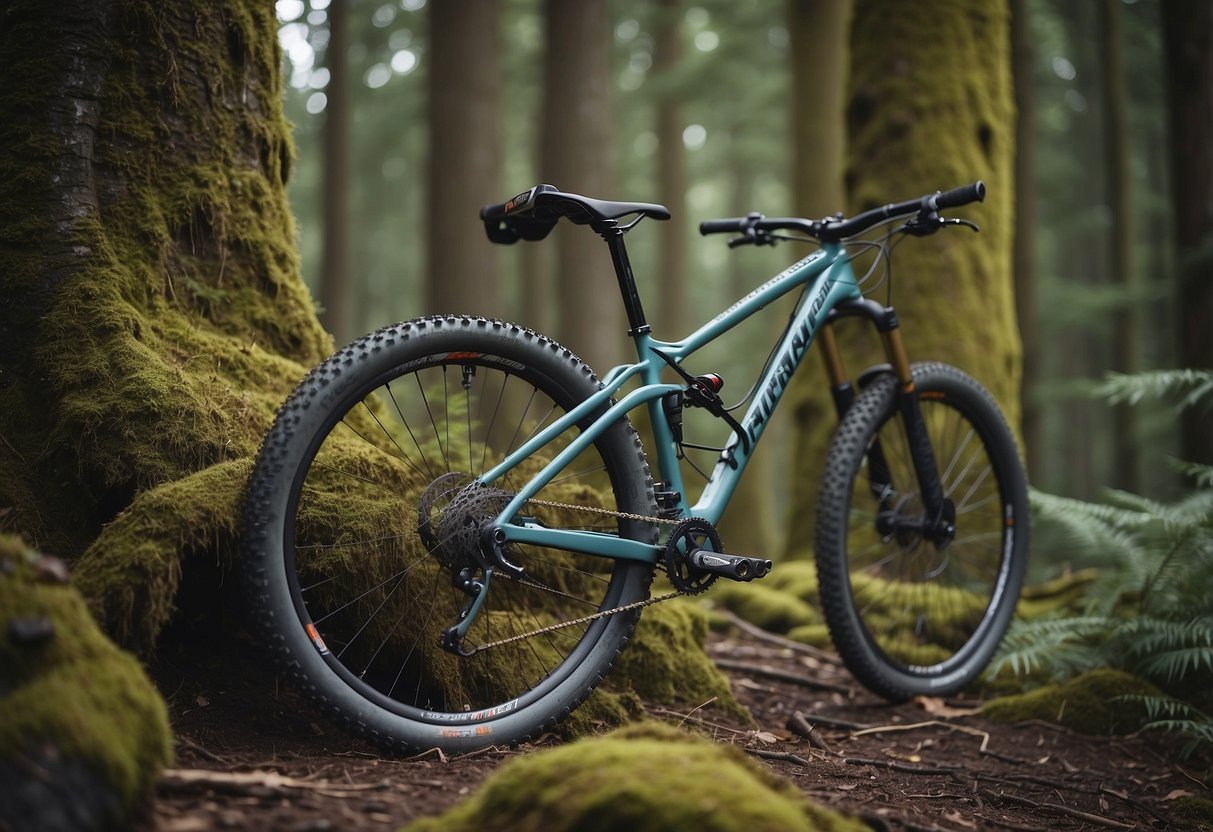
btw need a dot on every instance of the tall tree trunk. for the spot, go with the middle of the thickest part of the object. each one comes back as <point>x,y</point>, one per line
<point>1125,342</point>
<point>1024,256</point>
<point>1188,40</point>
<point>465,167</point>
<point>577,157</point>
<point>930,107</point>
<point>671,169</point>
<point>154,315</point>
<point>335,283</point>
<point>819,32</point>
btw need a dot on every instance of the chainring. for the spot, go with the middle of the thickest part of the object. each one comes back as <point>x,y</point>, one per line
<point>687,535</point>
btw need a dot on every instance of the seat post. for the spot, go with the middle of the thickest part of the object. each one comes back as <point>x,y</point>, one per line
<point>627,282</point>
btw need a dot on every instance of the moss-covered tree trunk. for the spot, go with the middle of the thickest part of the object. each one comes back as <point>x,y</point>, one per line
<point>931,107</point>
<point>153,311</point>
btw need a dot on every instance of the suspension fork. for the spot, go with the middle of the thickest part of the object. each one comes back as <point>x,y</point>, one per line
<point>843,393</point>
<point>939,520</point>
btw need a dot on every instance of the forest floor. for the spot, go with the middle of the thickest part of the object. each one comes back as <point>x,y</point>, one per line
<point>248,759</point>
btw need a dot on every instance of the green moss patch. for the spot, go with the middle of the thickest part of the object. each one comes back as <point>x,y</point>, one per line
<point>649,778</point>
<point>65,685</point>
<point>1193,813</point>
<point>1093,703</point>
<point>666,662</point>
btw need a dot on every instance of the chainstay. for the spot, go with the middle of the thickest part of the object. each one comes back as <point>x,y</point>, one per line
<point>593,616</point>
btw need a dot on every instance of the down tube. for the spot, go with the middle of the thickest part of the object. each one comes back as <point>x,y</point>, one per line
<point>837,283</point>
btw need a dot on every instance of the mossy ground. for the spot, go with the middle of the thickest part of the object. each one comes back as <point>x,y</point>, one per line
<point>63,684</point>
<point>645,778</point>
<point>1097,702</point>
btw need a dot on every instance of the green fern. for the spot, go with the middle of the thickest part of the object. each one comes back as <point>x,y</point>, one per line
<point>1188,388</point>
<point>1151,611</point>
<point>1176,717</point>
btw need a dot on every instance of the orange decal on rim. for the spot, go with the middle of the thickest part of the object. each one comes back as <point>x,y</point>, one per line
<point>314,635</point>
<point>459,356</point>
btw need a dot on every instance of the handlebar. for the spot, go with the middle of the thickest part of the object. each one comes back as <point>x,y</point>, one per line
<point>834,229</point>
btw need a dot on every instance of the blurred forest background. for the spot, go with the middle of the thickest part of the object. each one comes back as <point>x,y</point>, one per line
<point>400,142</point>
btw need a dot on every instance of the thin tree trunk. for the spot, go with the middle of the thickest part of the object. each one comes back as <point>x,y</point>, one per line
<point>1024,256</point>
<point>820,57</point>
<point>1188,39</point>
<point>465,167</point>
<point>335,283</point>
<point>671,170</point>
<point>1125,346</point>
<point>577,157</point>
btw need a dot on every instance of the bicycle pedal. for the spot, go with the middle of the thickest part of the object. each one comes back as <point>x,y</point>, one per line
<point>734,567</point>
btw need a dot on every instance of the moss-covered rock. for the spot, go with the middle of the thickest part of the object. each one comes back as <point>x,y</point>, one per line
<point>74,707</point>
<point>1097,702</point>
<point>666,661</point>
<point>648,778</point>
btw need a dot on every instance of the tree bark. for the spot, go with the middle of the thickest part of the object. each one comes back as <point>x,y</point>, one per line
<point>819,32</point>
<point>1024,256</point>
<point>154,315</point>
<point>1125,342</point>
<point>577,157</point>
<point>335,283</point>
<point>671,169</point>
<point>465,169</point>
<point>1188,40</point>
<point>931,107</point>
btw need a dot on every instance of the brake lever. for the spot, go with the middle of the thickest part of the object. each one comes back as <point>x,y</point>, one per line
<point>922,226</point>
<point>753,237</point>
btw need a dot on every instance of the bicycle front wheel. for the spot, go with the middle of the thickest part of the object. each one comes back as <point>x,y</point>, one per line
<point>363,509</point>
<point>912,616</point>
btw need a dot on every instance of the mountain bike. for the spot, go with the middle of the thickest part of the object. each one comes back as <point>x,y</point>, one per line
<point>452,526</point>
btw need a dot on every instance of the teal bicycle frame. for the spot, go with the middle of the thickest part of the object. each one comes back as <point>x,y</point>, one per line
<point>829,279</point>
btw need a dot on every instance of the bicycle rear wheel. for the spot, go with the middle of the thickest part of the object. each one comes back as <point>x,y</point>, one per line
<point>910,616</point>
<point>359,516</point>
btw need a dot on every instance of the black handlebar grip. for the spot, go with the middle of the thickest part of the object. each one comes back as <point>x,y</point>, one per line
<point>493,212</point>
<point>721,226</point>
<point>961,196</point>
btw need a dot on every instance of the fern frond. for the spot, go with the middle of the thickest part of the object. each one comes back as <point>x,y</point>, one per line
<point>1057,646</point>
<point>1188,388</point>
<point>1201,475</point>
<point>1174,716</point>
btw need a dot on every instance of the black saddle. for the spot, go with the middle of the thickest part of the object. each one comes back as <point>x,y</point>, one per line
<point>533,214</point>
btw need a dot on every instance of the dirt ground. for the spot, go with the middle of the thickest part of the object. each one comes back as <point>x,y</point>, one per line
<point>252,758</point>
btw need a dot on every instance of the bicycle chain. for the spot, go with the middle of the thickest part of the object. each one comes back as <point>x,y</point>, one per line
<point>593,616</point>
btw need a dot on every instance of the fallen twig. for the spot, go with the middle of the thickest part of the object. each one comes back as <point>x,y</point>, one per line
<point>886,729</point>
<point>781,675</point>
<point>782,641</point>
<point>777,755</point>
<point>1099,820</point>
<point>802,727</point>
<point>254,782</point>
